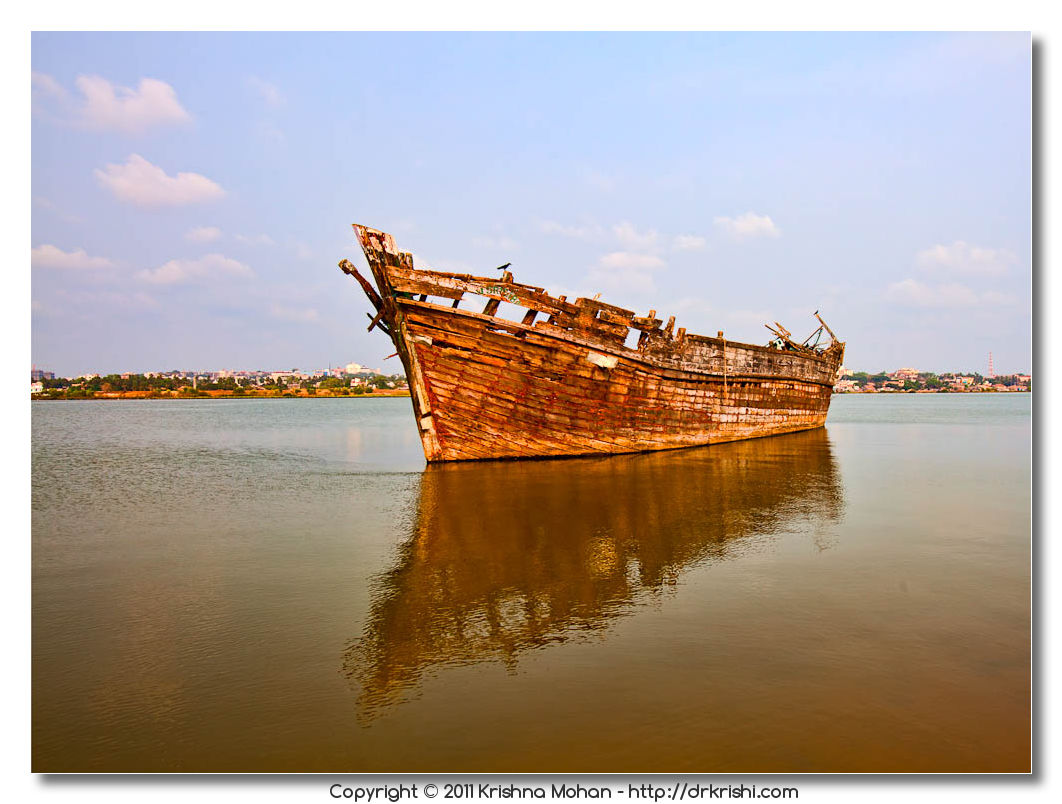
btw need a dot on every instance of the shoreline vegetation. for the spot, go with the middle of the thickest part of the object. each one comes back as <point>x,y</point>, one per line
<point>299,393</point>
<point>257,385</point>
<point>1009,390</point>
<point>913,381</point>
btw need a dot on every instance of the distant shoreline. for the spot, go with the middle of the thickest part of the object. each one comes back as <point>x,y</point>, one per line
<point>300,394</point>
<point>400,394</point>
<point>893,392</point>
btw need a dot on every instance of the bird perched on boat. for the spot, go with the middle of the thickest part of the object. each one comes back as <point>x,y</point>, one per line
<point>503,267</point>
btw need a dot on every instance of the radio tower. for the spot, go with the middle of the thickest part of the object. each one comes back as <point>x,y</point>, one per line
<point>991,373</point>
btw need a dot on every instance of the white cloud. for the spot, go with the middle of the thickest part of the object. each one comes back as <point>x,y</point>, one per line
<point>919,294</point>
<point>44,203</point>
<point>176,271</point>
<point>299,315</point>
<point>256,240</point>
<point>588,232</point>
<point>748,225</point>
<point>126,302</point>
<point>48,256</point>
<point>133,111</point>
<point>962,258</point>
<point>688,243</point>
<point>622,281</point>
<point>690,304</point>
<point>701,316</point>
<point>631,238</point>
<point>303,251</point>
<point>627,259</point>
<point>625,272</point>
<point>500,242</point>
<point>140,182</point>
<point>46,85</point>
<point>203,234</point>
<point>447,266</point>
<point>107,107</point>
<point>266,91</point>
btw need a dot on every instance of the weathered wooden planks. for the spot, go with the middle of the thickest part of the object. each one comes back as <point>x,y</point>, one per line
<point>486,387</point>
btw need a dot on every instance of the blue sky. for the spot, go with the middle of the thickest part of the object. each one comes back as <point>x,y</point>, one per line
<point>192,193</point>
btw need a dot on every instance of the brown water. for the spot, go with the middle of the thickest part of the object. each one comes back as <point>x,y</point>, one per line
<point>280,585</point>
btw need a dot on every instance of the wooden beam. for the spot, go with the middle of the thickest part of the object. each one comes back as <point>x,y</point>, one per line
<point>825,325</point>
<point>348,268</point>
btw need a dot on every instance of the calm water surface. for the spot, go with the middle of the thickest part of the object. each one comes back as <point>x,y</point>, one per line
<point>281,585</point>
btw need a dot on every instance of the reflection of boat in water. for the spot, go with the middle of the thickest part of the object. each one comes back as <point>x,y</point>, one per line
<point>507,557</point>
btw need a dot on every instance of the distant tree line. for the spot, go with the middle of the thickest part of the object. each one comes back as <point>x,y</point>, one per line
<point>88,387</point>
<point>927,380</point>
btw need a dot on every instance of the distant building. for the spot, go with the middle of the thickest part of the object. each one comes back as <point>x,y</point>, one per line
<point>37,375</point>
<point>905,374</point>
<point>353,368</point>
<point>37,387</point>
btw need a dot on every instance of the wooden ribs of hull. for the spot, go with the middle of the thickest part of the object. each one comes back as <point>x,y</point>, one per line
<point>494,394</point>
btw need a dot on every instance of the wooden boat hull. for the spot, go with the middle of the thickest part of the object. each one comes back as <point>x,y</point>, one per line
<point>485,387</point>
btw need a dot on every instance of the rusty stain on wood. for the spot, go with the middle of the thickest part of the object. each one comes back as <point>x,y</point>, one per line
<point>485,387</point>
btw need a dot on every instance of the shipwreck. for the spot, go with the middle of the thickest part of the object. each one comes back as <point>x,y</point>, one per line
<point>570,378</point>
